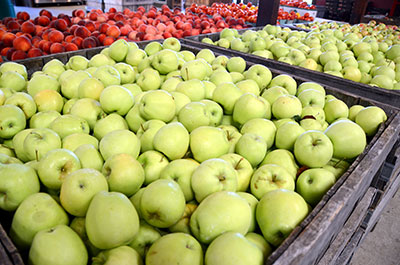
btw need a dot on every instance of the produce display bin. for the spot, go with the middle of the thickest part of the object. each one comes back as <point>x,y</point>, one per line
<point>390,97</point>
<point>308,242</point>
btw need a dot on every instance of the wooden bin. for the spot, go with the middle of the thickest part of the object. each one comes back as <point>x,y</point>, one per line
<point>390,97</point>
<point>308,241</point>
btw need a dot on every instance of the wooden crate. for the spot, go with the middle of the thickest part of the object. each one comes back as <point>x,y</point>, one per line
<point>390,97</point>
<point>310,239</point>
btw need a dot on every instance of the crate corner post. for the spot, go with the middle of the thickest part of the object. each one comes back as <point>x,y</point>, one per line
<point>267,12</point>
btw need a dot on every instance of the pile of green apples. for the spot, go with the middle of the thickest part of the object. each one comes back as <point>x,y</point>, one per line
<point>162,156</point>
<point>343,52</point>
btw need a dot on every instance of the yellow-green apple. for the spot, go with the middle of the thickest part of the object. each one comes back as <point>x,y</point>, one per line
<point>214,111</point>
<point>104,229</point>
<point>42,82</point>
<point>13,80</point>
<point>117,99</point>
<point>327,56</point>
<point>211,176</point>
<point>310,85</point>
<point>78,189</point>
<point>149,79</point>
<point>108,75</point>
<point>194,115</point>
<point>157,104</point>
<point>48,247</point>
<point>187,55</point>
<point>68,105</point>
<point>220,97</point>
<point>144,238</point>
<point>249,106</point>
<point>89,156</point>
<point>286,135</point>
<point>260,242</point>
<point>162,203</point>
<point>248,86</point>
<point>206,54</point>
<point>89,110</point>
<point>196,69</point>
<point>233,248</point>
<point>220,212</point>
<point>252,147</point>
<point>348,139</point>
<point>18,144</point>
<point>208,142</point>
<point>47,100</point>
<point>14,67</point>
<point>252,201</point>
<point>193,88</point>
<point>286,106</point>
<point>335,109</point>
<point>278,213</point>
<point>270,177</point>
<point>283,158</point>
<point>314,113</point>
<point>233,136</point>
<point>220,76</point>
<point>12,121</point>
<point>68,124</point>
<point>313,183</point>
<point>16,183</point>
<point>123,173</point>
<point>259,73</point>
<point>334,66</point>
<point>118,142</point>
<point>111,122</point>
<point>242,167</point>
<point>262,127</point>
<point>312,97</point>
<point>69,86</point>
<point>236,64</point>
<point>285,81</point>
<point>172,44</point>
<point>90,88</point>
<point>353,111</point>
<point>180,171</point>
<point>183,225</point>
<point>24,101</point>
<point>146,134</point>
<point>99,60</point>
<point>54,67</point>
<point>271,94</point>
<point>164,250</point>
<point>313,149</point>
<point>135,56</point>
<point>118,50</point>
<point>382,81</point>
<point>121,255</point>
<point>26,224</point>
<point>55,165</point>
<point>39,141</point>
<point>352,73</point>
<point>370,118</point>
<point>171,83</point>
<point>337,166</point>
<point>153,47</point>
<point>172,140</point>
<point>78,62</point>
<point>165,61</point>
<point>153,163</point>
<point>73,141</point>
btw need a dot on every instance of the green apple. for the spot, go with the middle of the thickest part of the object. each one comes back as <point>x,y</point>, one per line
<point>273,93</point>
<point>123,173</point>
<point>206,54</point>
<point>183,225</point>
<point>285,81</point>
<point>78,62</point>
<point>153,47</point>
<point>194,115</point>
<point>214,111</point>
<point>162,203</point>
<point>337,167</point>
<point>172,44</point>
<point>25,223</point>
<point>353,111</point>
<point>135,56</point>
<point>89,156</point>
<point>118,50</point>
<point>335,109</point>
<point>42,82</point>
<point>146,134</point>
<point>311,97</point>
<point>24,101</point>
<point>286,106</point>
<point>211,176</point>
<point>104,229</point>
<point>171,83</point>
<point>39,141</point>
<point>117,99</point>
<point>108,75</point>
<point>14,67</point>
<point>242,167</point>
<point>78,189</point>
<point>153,163</point>
<point>278,213</point>
<point>233,136</point>
<point>13,80</point>
<point>260,242</point>
<point>12,121</point>
<point>181,170</point>
<point>123,255</point>
<point>327,56</point>
<point>313,113</point>
<point>172,140</point>
<point>157,104</point>
<point>68,105</point>
<point>69,86</point>
<point>236,64</point>
<point>310,85</point>
<point>111,122</point>
<point>165,249</point>
<point>208,142</point>
<point>370,118</point>
<point>118,142</point>
<point>283,158</point>
<point>382,81</point>
<point>99,60</point>
<point>55,165</point>
<point>18,144</point>
<point>352,73</point>
<point>144,238</point>
<point>220,97</point>
<point>196,69</point>
<point>248,86</point>
<point>249,106</point>
<point>48,247</point>
<point>348,139</point>
<point>215,214</point>
<point>126,73</point>
<point>68,124</point>
<point>313,183</point>
<point>89,110</point>
<point>47,100</point>
<point>16,183</point>
<point>220,76</point>
<point>286,135</point>
<point>165,61</point>
<point>233,248</point>
<point>252,147</point>
<point>313,149</point>
<point>259,73</point>
<point>193,88</point>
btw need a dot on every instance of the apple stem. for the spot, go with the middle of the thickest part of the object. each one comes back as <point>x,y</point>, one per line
<point>237,164</point>
<point>37,154</point>
<point>187,73</point>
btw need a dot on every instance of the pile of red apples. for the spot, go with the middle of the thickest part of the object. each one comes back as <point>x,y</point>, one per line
<point>24,37</point>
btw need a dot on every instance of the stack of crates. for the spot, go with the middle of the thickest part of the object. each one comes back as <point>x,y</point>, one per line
<point>338,9</point>
<point>120,5</point>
